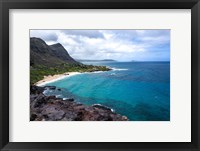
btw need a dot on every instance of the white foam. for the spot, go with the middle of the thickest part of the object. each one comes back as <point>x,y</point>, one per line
<point>97,72</point>
<point>65,99</point>
<point>97,104</point>
<point>58,96</point>
<point>119,69</point>
<point>45,92</point>
<point>112,110</point>
<point>105,106</point>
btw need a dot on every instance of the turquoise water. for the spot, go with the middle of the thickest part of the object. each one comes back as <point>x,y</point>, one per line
<point>138,90</point>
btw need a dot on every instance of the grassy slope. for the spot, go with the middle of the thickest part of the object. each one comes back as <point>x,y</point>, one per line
<point>37,73</point>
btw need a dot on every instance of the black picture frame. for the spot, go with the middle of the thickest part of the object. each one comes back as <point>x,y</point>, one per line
<point>5,5</point>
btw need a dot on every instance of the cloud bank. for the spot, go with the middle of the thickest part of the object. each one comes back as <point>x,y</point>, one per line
<point>120,45</point>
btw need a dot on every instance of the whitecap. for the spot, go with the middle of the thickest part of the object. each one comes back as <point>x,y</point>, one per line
<point>45,92</point>
<point>119,69</point>
<point>112,110</point>
<point>59,96</point>
<point>97,71</point>
<point>98,104</point>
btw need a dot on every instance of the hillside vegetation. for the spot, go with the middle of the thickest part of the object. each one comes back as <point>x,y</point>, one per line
<point>54,59</point>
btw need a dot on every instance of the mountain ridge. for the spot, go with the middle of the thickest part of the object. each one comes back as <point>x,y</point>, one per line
<point>48,55</point>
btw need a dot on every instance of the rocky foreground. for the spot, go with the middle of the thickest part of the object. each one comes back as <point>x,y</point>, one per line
<point>50,108</point>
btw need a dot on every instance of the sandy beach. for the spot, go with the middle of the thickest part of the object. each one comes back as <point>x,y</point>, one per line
<point>49,78</point>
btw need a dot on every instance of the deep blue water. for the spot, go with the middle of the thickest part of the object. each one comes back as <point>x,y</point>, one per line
<point>139,90</point>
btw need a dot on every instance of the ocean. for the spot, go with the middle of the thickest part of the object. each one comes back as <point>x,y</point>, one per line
<point>138,90</point>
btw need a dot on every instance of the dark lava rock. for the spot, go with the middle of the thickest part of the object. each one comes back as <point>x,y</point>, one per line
<point>36,90</point>
<point>79,116</point>
<point>52,97</point>
<point>39,101</point>
<point>52,113</point>
<point>71,100</point>
<point>33,97</point>
<point>59,89</point>
<point>33,117</point>
<point>50,108</point>
<point>51,87</point>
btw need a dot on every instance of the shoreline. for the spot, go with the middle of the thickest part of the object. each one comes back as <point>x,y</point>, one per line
<point>56,77</point>
<point>50,108</point>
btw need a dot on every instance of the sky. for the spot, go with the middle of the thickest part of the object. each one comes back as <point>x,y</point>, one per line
<point>119,45</point>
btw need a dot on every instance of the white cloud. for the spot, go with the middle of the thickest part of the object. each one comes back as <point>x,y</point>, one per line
<point>122,45</point>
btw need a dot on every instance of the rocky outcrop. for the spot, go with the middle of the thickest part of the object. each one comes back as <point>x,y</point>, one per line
<point>50,108</point>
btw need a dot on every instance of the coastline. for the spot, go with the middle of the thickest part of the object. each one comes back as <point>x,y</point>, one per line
<point>56,77</point>
<point>50,108</point>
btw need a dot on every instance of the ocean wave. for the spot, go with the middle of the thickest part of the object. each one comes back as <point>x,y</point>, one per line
<point>103,106</point>
<point>59,96</point>
<point>119,69</point>
<point>45,92</point>
<point>97,71</point>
